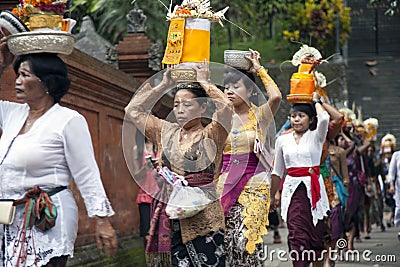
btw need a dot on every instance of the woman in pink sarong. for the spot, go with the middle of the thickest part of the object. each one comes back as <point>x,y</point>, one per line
<point>244,181</point>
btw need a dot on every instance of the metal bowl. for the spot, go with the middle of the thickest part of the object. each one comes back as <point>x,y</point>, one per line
<point>235,59</point>
<point>57,42</point>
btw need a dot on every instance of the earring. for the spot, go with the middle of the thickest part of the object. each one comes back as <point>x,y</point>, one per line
<point>46,91</point>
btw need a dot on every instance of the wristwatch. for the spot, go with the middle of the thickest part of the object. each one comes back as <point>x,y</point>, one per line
<point>317,101</point>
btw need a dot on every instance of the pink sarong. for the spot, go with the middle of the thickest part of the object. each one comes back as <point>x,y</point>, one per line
<point>241,168</point>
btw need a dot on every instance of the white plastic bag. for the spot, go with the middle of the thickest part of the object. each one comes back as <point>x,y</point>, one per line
<point>186,201</point>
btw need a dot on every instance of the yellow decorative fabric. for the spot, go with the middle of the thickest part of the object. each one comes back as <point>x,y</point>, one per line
<point>256,202</point>
<point>253,121</point>
<point>219,183</point>
<point>242,141</point>
<point>263,112</point>
<point>174,49</point>
<point>267,80</point>
<point>44,21</point>
<point>255,197</point>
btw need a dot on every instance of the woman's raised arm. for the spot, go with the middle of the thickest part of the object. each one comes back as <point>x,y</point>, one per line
<point>143,101</point>
<point>6,58</point>
<point>274,94</point>
<point>221,124</point>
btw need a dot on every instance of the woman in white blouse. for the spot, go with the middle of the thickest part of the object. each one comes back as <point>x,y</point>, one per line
<point>44,144</point>
<point>394,174</point>
<point>304,202</point>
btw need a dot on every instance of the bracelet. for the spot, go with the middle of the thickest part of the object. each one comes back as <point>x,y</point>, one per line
<point>259,69</point>
<point>317,101</point>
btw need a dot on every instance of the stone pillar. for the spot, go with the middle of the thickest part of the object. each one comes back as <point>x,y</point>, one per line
<point>93,44</point>
<point>137,54</point>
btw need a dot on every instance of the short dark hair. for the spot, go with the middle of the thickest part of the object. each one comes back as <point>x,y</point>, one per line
<point>309,110</point>
<point>196,89</point>
<point>50,69</point>
<point>201,97</point>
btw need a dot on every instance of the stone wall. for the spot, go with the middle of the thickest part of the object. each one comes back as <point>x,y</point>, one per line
<point>100,93</point>
<point>373,63</point>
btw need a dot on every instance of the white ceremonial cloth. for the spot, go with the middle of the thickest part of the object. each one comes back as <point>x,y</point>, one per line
<point>57,148</point>
<point>394,175</point>
<point>307,153</point>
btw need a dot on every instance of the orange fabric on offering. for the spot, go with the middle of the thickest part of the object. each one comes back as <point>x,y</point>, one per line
<point>302,84</point>
<point>196,47</point>
<point>305,68</point>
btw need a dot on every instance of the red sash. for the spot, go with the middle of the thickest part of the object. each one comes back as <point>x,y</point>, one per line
<point>313,172</point>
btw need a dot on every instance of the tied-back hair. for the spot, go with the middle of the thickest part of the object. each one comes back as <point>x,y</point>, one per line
<point>248,81</point>
<point>50,69</point>
<point>201,97</point>
<point>309,110</point>
<point>196,89</point>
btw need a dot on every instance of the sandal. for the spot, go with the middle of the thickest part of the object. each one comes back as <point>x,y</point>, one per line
<point>277,239</point>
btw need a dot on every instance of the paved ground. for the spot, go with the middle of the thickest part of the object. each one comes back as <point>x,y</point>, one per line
<point>383,249</point>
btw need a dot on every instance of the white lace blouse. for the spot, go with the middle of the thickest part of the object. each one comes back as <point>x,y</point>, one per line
<point>57,148</point>
<point>307,153</point>
<point>394,174</point>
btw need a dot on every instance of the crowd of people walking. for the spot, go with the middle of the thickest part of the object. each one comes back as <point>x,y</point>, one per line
<point>327,182</point>
<point>213,177</point>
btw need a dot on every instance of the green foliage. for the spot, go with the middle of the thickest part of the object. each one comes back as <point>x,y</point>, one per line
<point>273,51</point>
<point>254,16</point>
<point>314,23</point>
<point>110,16</point>
<point>250,24</point>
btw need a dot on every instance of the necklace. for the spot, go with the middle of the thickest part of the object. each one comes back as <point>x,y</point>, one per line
<point>186,135</point>
<point>30,121</point>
